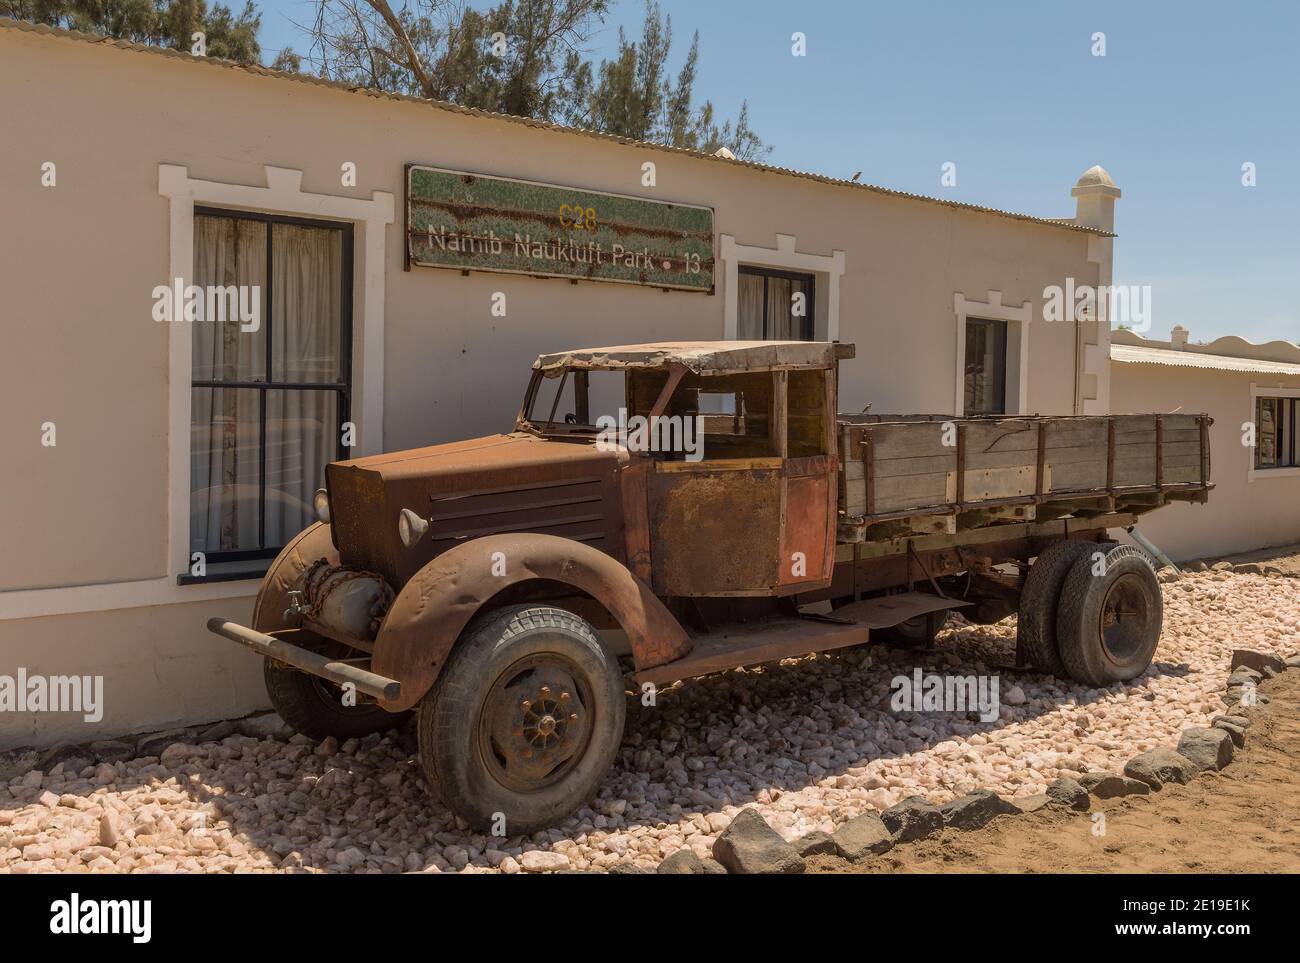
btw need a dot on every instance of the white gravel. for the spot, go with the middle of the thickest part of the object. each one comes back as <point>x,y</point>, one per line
<point>811,744</point>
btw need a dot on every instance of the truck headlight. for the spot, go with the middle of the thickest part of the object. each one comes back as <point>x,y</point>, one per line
<point>411,527</point>
<point>321,503</point>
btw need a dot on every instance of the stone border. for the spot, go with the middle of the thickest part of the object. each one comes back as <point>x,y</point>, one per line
<point>750,846</point>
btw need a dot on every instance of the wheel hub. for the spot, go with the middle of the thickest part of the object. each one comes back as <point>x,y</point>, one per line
<point>534,726</point>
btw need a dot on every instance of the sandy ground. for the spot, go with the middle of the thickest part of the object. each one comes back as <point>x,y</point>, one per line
<point>1240,820</point>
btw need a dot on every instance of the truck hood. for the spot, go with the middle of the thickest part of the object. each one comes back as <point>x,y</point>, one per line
<point>467,489</point>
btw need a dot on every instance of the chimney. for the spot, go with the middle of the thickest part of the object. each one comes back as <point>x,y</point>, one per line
<point>1178,337</point>
<point>1095,195</point>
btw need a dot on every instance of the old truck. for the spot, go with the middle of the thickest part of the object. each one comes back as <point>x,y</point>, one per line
<point>664,511</point>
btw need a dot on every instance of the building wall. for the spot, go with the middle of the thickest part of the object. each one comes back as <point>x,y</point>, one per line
<point>1242,513</point>
<point>84,353</point>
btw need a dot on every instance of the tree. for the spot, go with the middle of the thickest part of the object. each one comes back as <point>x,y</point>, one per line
<point>159,23</point>
<point>524,57</point>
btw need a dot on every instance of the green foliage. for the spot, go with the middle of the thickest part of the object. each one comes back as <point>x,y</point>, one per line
<point>161,23</point>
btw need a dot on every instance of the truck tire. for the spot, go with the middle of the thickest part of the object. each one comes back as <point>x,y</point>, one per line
<point>1036,620</point>
<point>524,721</point>
<point>314,707</point>
<point>917,632</point>
<point>1108,625</point>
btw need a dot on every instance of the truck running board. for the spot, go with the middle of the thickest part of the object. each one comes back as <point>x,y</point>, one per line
<point>753,643</point>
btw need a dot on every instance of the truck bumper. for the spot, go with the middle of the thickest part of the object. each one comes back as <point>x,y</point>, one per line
<point>341,673</point>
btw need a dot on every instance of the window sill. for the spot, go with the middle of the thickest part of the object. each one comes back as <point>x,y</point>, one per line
<point>1289,471</point>
<point>228,572</point>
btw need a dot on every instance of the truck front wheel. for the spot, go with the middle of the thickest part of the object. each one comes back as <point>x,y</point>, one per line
<point>1110,615</point>
<point>525,719</point>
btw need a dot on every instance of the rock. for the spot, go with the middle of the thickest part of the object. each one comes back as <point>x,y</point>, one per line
<point>681,863</point>
<point>1256,660</point>
<point>814,844</point>
<point>48,800</point>
<point>1069,794</point>
<point>1244,675</point>
<point>1241,722</point>
<point>713,868</point>
<point>750,845</point>
<point>1167,574</point>
<point>1030,804</point>
<point>543,861</point>
<point>1236,733</point>
<point>217,731</point>
<point>913,818</point>
<point>629,869</point>
<point>108,831</point>
<point>1159,766</point>
<point>267,725</point>
<point>1016,696</point>
<point>177,754</point>
<point>976,810</point>
<point>1249,568</point>
<point>1221,567</point>
<point>1197,566</point>
<point>862,836</point>
<point>509,866</point>
<point>1107,785</point>
<point>112,750</point>
<point>1292,662</point>
<point>1206,748</point>
<point>153,743</point>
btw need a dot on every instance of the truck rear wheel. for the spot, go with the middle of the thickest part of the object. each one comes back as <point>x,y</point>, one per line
<point>1036,621</point>
<point>1108,624</point>
<point>525,719</point>
<point>315,707</point>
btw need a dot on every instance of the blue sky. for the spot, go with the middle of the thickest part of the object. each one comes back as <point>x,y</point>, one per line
<point>1011,93</point>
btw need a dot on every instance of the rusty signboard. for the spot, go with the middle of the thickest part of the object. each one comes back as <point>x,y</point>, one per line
<point>456,219</point>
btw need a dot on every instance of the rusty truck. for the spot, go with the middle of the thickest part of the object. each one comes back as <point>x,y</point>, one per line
<point>661,512</point>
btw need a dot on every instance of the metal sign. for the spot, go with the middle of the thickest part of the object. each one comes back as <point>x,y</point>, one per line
<point>455,219</point>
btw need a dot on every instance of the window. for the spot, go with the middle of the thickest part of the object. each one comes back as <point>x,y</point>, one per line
<point>271,378</point>
<point>986,367</point>
<point>774,305</point>
<point>1275,432</point>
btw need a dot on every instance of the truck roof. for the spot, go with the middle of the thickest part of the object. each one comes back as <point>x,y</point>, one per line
<point>702,357</point>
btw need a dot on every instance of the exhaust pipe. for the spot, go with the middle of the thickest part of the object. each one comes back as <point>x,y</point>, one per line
<point>1150,549</point>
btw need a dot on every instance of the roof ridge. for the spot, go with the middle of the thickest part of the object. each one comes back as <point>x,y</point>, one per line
<point>98,39</point>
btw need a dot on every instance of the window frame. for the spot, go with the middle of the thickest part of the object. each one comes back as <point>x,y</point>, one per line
<point>242,563</point>
<point>1288,445</point>
<point>1003,329</point>
<point>809,320</point>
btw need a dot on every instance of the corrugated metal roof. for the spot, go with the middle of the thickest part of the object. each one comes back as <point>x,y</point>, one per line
<point>40,28</point>
<point>1131,354</point>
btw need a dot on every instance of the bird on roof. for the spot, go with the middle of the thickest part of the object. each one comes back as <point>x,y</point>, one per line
<point>855,177</point>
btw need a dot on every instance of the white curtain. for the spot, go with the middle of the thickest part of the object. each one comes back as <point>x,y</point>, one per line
<point>224,482</point>
<point>302,434</point>
<point>749,308</point>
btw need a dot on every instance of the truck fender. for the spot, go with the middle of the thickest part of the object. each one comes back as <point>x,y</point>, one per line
<point>438,602</point>
<point>312,543</point>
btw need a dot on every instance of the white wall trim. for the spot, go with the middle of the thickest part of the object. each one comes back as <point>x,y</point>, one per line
<point>1254,474</point>
<point>283,194</point>
<point>784,257</point>
<point>1017,337</point>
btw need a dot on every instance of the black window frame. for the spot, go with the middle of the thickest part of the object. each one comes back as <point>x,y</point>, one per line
<point>252,563</point>
<point>1003,338</point>
<point>1288,452</point>
<point>809,319</point>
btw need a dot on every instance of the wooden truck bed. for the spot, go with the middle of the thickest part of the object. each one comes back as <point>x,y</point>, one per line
<point>924,474</point>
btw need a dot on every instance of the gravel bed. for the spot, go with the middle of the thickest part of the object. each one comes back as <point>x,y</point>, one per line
<point>810,744</point>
